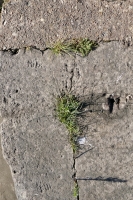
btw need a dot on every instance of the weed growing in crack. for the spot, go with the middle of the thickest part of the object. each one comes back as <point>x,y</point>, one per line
<point>76,190</point>
<point>77,46</point>
<point>67,110</point>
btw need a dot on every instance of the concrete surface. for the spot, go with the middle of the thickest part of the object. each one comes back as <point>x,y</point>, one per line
<point>42,22</point>
<point>36,145</point>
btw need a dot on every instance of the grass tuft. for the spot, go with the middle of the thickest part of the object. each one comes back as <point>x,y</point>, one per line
<point>76,190</point>
<point>77,46</point>
<point>67,110</point>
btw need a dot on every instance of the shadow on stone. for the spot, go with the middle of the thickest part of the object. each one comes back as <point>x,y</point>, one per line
<point>1,2</point>
<point>109,179</point>
<point>84,152</point>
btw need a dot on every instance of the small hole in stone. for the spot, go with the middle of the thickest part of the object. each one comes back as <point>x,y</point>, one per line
<point>4,100</point>
<point>104,94</point>
<point>14,172</point>
<point>16,91</point>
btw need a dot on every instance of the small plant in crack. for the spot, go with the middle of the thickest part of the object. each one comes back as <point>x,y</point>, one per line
<point>67,110</point>
<point>77,46</point>
<point>76,190</point>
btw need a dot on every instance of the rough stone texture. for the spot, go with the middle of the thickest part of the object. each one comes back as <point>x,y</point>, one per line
<point>7,190</point>
<point>42,22</point>
<point>108,164</point>
<point>35,144</point>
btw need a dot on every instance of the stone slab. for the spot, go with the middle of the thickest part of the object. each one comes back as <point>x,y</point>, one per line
<point>7,190</point>
<point>41,23</point>
<point>36,145</point>
<point>108,163</point>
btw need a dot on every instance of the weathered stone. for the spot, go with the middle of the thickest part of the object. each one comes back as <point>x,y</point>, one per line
<point>36,145</point>
<point>42,22</point>
<point>6,182</point>
<point>108,165</point>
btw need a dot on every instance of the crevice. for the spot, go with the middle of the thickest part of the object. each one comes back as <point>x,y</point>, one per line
<point>34,47</point>
<point>74,177</point>
<point>71,79</point>
<point>14,51</point>
<point>72,75</point>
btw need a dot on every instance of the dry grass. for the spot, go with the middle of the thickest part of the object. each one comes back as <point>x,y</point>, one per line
<point>76,46</point>
<point>67,109</point>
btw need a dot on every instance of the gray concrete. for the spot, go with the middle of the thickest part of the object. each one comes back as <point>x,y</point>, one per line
<point>42,22</point>
<point>36,145</point>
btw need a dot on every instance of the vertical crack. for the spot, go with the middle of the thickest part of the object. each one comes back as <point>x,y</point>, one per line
<point>72,75</point>
<point>76,187</point>
<point>71,78</point>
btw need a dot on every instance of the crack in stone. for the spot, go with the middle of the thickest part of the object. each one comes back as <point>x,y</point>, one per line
<point>14,51</point>
<point>74,175</point>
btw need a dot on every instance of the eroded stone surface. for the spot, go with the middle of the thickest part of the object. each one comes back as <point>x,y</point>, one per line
<point>108,164</point>
<point>42,22</point>
<point>36,145</point>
